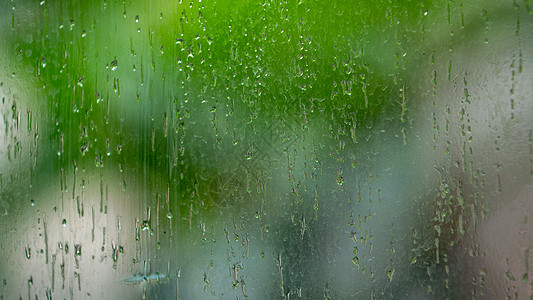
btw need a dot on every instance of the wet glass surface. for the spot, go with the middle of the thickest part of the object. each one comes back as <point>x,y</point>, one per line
<point>266,150</point>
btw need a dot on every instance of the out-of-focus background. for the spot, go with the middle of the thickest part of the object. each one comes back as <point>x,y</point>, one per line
<point>266,149</point>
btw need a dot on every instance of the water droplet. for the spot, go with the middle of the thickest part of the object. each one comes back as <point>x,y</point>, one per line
<point>27,250</point>
<point>114,65</point>
<point>145,226</point>
<point>355,261</point>
<point>390,274</point>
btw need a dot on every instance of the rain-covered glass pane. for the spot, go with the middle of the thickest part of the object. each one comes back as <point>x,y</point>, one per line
<point>266,149</point>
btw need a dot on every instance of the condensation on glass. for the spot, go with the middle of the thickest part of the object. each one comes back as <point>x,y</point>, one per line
<point>266,149</point>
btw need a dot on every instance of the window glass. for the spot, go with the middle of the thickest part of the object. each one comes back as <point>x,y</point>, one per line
<point>266,149</point>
